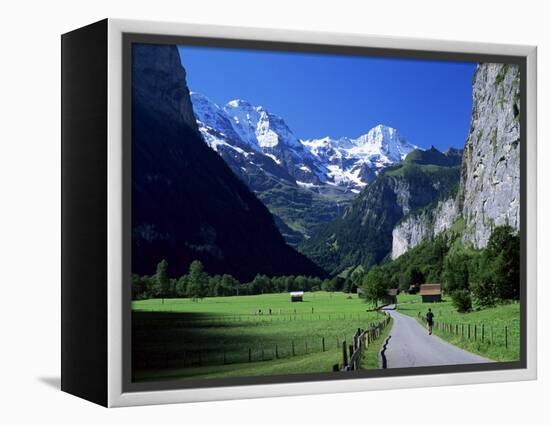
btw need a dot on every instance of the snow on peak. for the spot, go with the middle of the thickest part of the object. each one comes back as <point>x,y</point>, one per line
<point>239,103</point>
<point>345,161</point>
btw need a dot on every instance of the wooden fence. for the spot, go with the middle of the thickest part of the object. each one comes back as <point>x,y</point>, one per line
<point>352,353</point>
<point>478,332</point>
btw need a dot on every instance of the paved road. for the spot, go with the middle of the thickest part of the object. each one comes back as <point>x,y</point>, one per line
<point>411,346</point>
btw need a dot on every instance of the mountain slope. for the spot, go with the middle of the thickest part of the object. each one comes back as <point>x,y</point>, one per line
<point>186,202</point>
<point>304,184</point>
<point>363,235</point>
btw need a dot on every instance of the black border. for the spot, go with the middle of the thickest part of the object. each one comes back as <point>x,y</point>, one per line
<point>172,384</point>
<point>84,73</point>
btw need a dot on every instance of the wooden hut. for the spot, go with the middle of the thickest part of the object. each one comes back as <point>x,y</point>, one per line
<point>296,296</point>
<point>430,293</point>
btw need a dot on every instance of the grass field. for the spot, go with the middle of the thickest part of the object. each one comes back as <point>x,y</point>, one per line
<point>228,336</point>
<point>488,327</point>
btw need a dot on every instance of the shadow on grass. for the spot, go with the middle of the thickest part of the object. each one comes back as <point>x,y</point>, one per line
<point>164,340</point>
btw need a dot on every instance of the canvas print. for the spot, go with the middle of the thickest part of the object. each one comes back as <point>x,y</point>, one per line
<point>305,212</point>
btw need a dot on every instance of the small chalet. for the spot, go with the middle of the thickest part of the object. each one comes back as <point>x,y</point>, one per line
<point>430,293</point>
<point>296,296</point>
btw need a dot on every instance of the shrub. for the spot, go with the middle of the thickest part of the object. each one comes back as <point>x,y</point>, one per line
<point>462,300</point>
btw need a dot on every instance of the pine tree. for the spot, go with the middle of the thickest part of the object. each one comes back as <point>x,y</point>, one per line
<point>162,280</point>
<point>198,281</point>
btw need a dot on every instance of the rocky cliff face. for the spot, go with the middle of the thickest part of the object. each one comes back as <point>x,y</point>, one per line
<point>186,202</point>
<point>428,223</point>
<point>488,194</point>
<point>490,187</point>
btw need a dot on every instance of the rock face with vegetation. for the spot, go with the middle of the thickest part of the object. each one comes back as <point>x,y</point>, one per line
<point>490,183</point>
<point>426,224</point>
<point>488,195</point>
<point>186,202</point>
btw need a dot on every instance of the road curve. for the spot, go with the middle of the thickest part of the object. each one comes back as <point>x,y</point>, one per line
<point>410,345</point>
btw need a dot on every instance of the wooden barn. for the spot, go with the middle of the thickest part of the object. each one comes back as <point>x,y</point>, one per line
<point>296,296</point>
<point>430,293</point>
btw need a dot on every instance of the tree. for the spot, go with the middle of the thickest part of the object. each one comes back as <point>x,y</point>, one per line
<point>497,271</point>
<point>456,270</point>
<point>181,286</point>
<point>462,300</point>
<point>214,284</point>
<point>162,280</point>
<point>327,285</point>
<point>374,285</point>
<point>198,281</point>
<point>485,287</point>
<point>354,280</point>
<point>337,283</point>
<point>403,281</point>
<point>503,248</point>
<point>416,276</point>
<point>229,285</point>
<point>140,287</point>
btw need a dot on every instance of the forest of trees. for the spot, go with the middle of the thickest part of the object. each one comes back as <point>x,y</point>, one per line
<point>197,284</point>
<point>481,277</point>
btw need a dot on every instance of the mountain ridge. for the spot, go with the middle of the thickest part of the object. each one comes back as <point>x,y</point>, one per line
<point>346,162</point>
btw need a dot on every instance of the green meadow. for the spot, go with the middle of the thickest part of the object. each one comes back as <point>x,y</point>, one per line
<point>246,335</point>
<point>494,331</point>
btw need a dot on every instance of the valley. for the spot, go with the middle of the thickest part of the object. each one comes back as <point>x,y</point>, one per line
<point>232,211</point>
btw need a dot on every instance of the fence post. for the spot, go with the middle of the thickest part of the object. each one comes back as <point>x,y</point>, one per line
<point>323,343</point>
<point>482,333</point>
<point>468,331</point>
<point>249,355</point>
<point>306,346</point>
<point>277,351</point>
<point>475,331</point>
<point>344,354</point>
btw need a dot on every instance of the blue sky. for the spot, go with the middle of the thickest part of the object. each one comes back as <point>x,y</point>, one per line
<point>428,102</point>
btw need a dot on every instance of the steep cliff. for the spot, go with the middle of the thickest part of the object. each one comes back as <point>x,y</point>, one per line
<point>488,194</point>
<point>490,187</point>
<point>186,202</point>
<point>423,225</point>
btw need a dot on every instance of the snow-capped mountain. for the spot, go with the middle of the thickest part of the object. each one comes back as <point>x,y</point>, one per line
<point>253,132</point>
<point>355,162</point>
